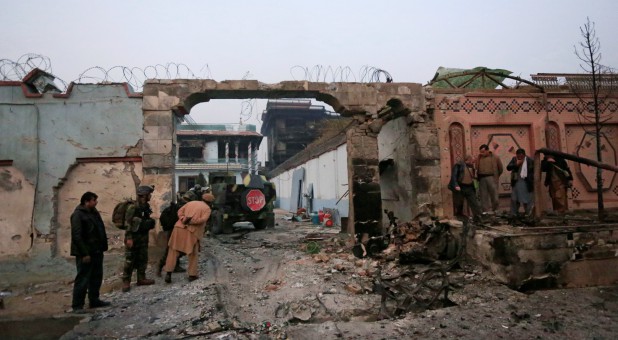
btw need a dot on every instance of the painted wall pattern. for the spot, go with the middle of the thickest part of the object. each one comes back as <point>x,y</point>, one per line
<point>530,121</point>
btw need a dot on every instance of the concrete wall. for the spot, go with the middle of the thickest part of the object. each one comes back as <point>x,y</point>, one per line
<point>45,135</point>
<point>111,181</point>
<point>327,174</point>
<point>211,150</point>
<point>411,182</point>
<point>561,257</point>
<point>17,197</point>
<point>395,180</point>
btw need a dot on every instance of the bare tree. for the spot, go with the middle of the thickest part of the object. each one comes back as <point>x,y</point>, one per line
<point>593,90</point>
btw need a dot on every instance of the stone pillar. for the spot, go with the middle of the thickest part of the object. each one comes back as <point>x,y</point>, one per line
<point>227,151</point>
<point>159,139</point>
<point>249,158</point>
<point>362,148</point>
<point>236,150</point>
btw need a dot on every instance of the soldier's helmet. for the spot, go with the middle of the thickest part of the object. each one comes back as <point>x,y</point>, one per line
<point>143,190</point>
<point>189,196</point>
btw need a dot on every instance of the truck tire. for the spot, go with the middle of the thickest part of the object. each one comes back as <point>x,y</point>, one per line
<point>259,224</point>
<point>270,220</point>
<point>266,222</point>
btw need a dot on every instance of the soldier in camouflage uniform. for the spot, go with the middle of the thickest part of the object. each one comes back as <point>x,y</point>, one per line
<point>136,239</point>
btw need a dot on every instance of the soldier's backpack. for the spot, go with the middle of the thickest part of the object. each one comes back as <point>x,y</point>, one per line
<point>119,213</point>
<point>169,216</point>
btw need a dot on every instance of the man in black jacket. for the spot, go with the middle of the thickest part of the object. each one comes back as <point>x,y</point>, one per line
<point>88,242</point>
<point>462,186</point>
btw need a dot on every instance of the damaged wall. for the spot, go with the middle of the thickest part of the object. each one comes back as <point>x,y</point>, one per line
<point>111,181</point>
<point>44,135</point>
<point>409,155</point>
<point>560,257</point>
<point>17,197</point>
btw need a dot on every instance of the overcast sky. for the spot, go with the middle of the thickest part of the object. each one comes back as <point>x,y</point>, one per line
<point>265,40</point>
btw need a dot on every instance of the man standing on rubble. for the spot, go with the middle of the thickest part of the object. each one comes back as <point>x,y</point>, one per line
<point>462,186</point>
<point>522,182</point>
<point>187,235</point>
<point>558,179</point>
<point>136,239</point>
<point>489,169</point>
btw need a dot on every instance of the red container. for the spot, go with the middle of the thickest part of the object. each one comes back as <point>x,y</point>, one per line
<point>321,216</point>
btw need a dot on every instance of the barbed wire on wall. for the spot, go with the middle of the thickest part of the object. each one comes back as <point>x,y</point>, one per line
<point>16,70</point>
<point>136,76</point>
<point>329,74</point>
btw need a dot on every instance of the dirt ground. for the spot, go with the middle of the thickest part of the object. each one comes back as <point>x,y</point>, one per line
<point>268,285</point>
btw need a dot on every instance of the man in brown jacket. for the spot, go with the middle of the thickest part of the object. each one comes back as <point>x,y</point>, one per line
<point>489,168</point>
<point>187,236</point>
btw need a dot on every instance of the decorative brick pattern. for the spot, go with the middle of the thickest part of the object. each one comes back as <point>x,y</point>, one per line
<point>458,147</point>
<point>552,136</point>
<point>515,106</point>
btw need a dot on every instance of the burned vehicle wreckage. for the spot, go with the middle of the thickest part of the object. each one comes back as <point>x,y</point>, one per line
<point>425,250</point>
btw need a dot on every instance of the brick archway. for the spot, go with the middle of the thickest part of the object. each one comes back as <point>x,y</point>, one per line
<point>163,100</point>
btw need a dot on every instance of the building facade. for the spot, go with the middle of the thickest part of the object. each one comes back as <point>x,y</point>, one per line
<point>290,125</point>
<point>216,152</point>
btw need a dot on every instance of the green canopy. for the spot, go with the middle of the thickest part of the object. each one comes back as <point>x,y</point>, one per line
<point>475,78</point>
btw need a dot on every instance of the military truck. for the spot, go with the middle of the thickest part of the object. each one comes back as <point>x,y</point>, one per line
<point>252,201</point>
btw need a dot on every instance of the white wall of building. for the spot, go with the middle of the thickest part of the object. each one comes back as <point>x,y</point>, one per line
<point>328,176</point>
<point>211,150</point>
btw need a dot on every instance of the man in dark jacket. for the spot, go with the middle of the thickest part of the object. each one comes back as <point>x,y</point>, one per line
<point>88,242</point>
<point>462,186</point>
<point>558,179</point>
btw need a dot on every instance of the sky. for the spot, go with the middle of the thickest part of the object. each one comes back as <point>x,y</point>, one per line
<point>274,41</point>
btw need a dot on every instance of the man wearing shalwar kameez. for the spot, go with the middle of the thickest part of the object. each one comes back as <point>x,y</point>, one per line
<point>522,182</point>
<point>187,236</point>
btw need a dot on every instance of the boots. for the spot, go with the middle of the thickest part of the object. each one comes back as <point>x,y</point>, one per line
<point>145,282</point>
<point>126,286</point>
<point>168,277</point>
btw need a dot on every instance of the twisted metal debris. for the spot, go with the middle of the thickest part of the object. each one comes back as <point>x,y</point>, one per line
<point>415,290</point>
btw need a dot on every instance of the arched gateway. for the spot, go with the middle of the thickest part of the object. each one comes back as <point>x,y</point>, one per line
<point>396,106</point>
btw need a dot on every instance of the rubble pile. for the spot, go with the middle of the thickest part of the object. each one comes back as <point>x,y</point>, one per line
<point>408,267</point>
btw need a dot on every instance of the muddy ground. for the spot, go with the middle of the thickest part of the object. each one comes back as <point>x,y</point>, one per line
<point>267,285</point>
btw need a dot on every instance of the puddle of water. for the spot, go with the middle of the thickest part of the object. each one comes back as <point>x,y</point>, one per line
<point>37,329</point>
